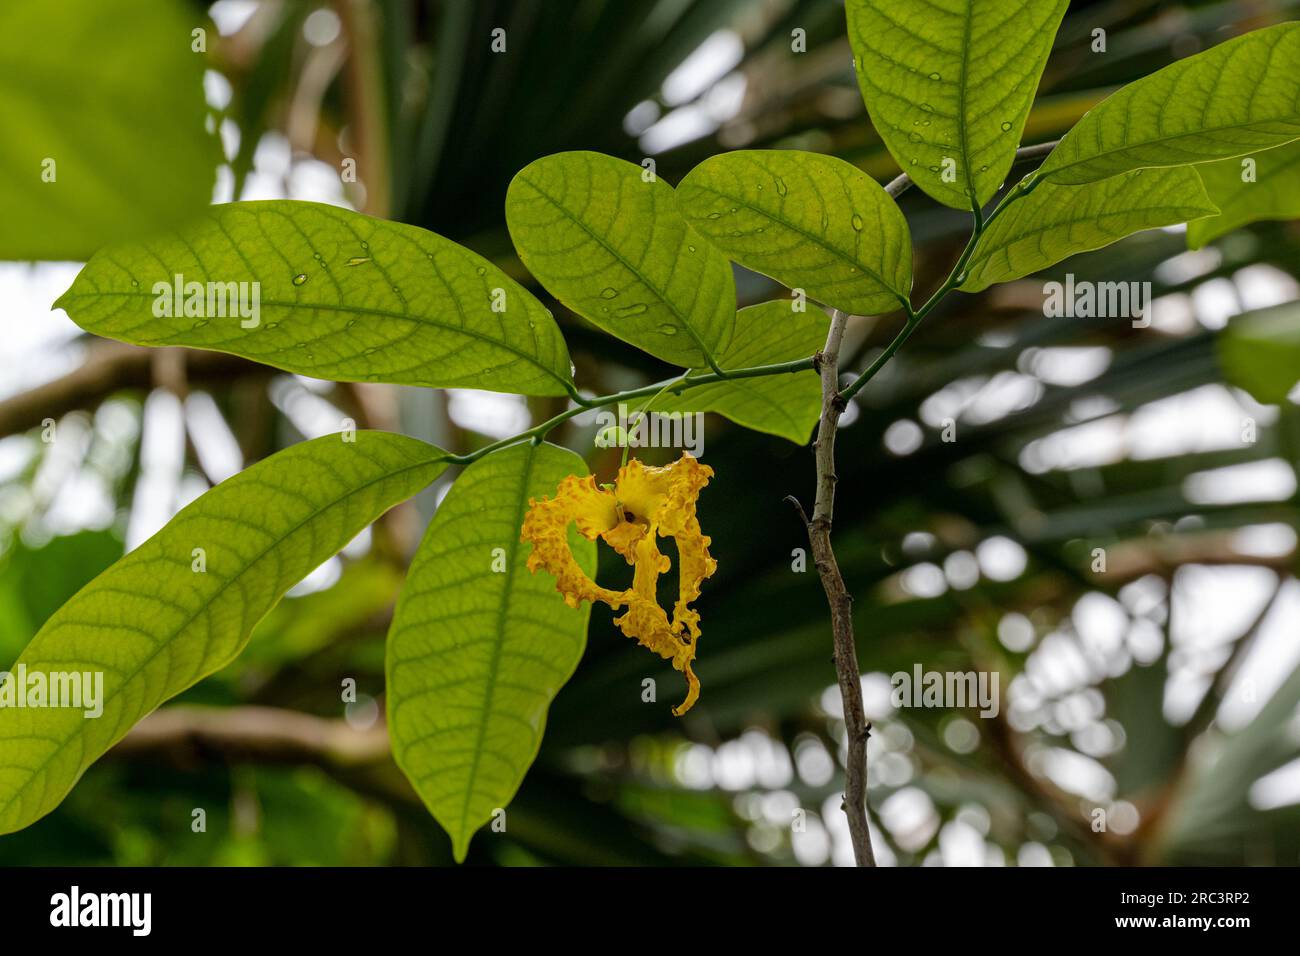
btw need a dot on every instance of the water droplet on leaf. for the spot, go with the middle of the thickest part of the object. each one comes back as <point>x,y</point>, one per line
<point>300,278</point>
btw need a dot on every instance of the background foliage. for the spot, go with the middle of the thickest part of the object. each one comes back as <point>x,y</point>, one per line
<point>1162,690</point>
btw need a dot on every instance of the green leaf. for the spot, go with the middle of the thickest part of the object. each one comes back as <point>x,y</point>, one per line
<point>810,222</point>
<point>1273,192</point>
<point>952,83</point>
<point>339,296</point>
<point>1235,98</point>
<point>112,96</point>
<point>786,405</point>
<point>476,654</point>
<point>614,249</point>
<point>153,624</point>
<point>1053,222</point>
<point>1260,352</point>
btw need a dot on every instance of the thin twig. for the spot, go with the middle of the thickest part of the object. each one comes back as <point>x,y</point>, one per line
<point>837,595</point>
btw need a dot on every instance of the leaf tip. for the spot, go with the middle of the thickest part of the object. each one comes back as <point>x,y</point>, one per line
<point>460,844</point>
<point>62,301</point>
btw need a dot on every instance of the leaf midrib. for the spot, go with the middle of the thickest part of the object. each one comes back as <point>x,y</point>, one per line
<point>126,682</point>
<point>962,131</point>
<point>346,310</point>
<point>980,262</point>
<point>1072,221</point>
<point>1047,176</point>
<point>819,241</point>
<point>600,241</point>
<point>494,665</point>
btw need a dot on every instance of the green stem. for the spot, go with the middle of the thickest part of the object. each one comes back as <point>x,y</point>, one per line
<point>675,385</point>
<point>641,413</point>
<point>955,278</point>
<point>717,374</point>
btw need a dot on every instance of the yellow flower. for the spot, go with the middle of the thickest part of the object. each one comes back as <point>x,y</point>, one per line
<point>645,502</point>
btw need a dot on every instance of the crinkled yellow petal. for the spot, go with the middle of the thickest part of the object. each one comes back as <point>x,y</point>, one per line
<point>677,520</point>
<point>646,502</point>
<point>595,510</point>
<point>647,623</point>
<point>625,536</point>
<point>546,526</point>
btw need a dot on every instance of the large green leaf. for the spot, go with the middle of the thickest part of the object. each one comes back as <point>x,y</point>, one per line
<point>341,296</point>
<point>479,646</point>
<point>811,222</point>
<point>786,405</point>
<point>1260,352</point>
<point>1055,222</point>
<point>157,622</point>
<point>610,244</point>
<point>112,95</point>
<point>951,81</point>
<point>1270,191</point>
<point>1238,97</point>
